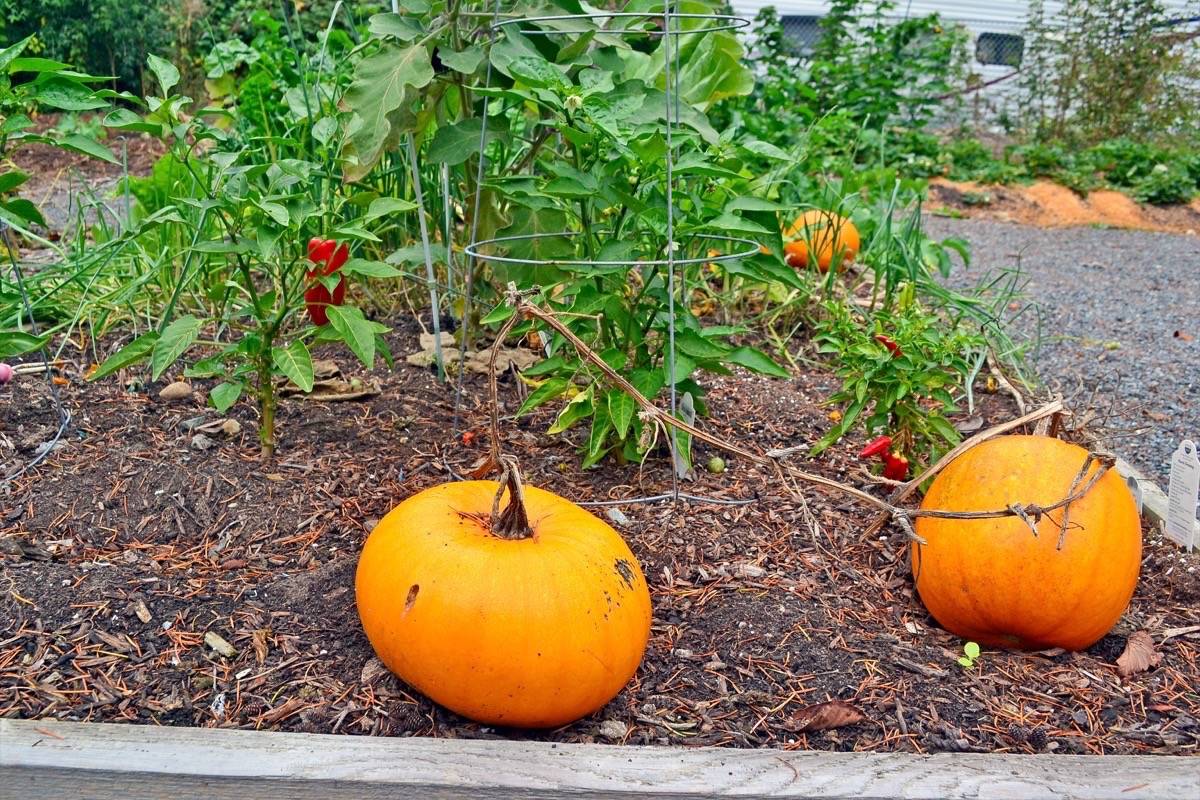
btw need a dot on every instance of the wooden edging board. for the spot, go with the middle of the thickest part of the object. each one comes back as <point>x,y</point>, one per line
<point>1154,500</point>
<point>92,761</point>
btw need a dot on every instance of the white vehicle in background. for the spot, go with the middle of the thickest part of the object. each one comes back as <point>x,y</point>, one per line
<point>996,31</point>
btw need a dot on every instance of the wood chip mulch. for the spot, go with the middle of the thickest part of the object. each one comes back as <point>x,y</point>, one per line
<point>131,558</point>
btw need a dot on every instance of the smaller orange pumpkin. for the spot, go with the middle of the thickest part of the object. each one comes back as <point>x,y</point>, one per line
<point>832,237</point>
<point>992,581</point>
<point>532,617</point>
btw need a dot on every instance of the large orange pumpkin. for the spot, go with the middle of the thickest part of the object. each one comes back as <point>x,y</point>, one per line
<point>533,624</point>
<point>828,235</point>
<point>992,581</point>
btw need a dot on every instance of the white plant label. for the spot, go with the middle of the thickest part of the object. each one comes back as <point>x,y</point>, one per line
<point>1182,495</point>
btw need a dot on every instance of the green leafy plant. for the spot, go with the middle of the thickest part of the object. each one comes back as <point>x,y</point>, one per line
<point>30,84</point>
<point>246,219</point>
<point>900,369</point>
<point>577,172</point>
<point>969,656</point>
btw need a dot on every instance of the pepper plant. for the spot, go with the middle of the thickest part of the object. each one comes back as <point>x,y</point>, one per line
<point>246,224</point>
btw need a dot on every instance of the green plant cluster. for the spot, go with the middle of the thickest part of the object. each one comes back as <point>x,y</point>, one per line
<point>307,134</point>
<point>1152,174</point>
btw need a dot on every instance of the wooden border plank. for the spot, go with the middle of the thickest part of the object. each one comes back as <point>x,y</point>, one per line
<point>50,759</point>
<point>1154,500</point>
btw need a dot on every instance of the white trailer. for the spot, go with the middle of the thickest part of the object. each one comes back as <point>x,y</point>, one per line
<point>996,30</point>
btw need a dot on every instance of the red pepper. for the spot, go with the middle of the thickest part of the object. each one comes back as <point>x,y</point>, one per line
<point>892,347</point>
<point>877,447</point>
<point>317,298</point>
<point>895,466</point>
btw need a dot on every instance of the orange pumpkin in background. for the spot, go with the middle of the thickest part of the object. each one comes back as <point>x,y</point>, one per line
<point>530,625</point>
<point>992,581</point>
<point>827,235</point>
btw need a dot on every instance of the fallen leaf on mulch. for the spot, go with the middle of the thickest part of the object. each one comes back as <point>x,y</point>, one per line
<point>333,389</point>
<point>823,716</point>
<point>1139,656</point>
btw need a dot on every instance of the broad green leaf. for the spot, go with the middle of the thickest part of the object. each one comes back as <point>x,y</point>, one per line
<point>66,95</point>
<point>18,343</point>
<point>24,210</point>
<point>10,53</point>
<point>324,129</point>
<point>571,187</point>
<point>379,90</point>
<point>684,366</point>
<point>165,71</point>
<point>972,650</point>
<point>464,61</point>
<point>172,342</point>
<point>943,428</point>
<point>756,361</point>
<point>370,269</point>
<point>275,211</point>
<point>224,395</point>
<point>621,408</point>
<point>15,123</point>
<point>88,146</point>
<point>131,353</point>
<point>648,382</point>
<point>454,144</point>
<point>715,70</point>
<point>536,72</point>
<point>397,26</point>
<point>601,425</point>
<point>354,232</point>
<point>766,150</point>
<point>122,119</point>
<point>500,313</point>
<point>697,346</point>
<point>37,65</point>
<point>355,330</point>
<point>753,204</point>
<point>537,226</point>
<point>552,388</point>
<point>382,206</point>
<point>579,408</point>
<point>295,362</point>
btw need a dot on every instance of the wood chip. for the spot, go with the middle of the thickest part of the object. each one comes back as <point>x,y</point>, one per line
<point>142,612</point>
<point>218,644</point>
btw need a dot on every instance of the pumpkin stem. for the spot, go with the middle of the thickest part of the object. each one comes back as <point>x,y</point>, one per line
<point>513,521</point>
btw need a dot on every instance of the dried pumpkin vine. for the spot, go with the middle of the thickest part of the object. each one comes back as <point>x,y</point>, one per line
<point>652,415</point>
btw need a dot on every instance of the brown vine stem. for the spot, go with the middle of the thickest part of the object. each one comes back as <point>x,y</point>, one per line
<point>903,516</point>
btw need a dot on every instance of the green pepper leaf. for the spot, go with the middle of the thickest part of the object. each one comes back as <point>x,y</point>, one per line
<point>295,362</point>
<point>172,342</point>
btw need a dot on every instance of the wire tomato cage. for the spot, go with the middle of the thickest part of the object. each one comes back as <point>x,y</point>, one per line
<point>670,255</point>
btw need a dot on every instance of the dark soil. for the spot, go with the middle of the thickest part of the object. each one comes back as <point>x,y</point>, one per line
<point>760,609</point>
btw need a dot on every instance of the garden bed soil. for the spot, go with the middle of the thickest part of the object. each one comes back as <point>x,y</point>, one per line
<point>129,546</point>
<point>1050,205</point>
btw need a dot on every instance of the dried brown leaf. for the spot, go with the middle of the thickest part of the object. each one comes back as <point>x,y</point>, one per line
<point>1139,656</point>
<point>823,716</point>
<point>259,642</point>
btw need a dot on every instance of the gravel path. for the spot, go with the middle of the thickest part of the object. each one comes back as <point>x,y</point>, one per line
<point>1120,313</point>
